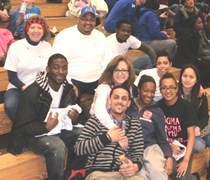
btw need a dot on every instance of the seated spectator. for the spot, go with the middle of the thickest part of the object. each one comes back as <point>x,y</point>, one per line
<point>6,39</point>
<point>189,85</point>
<point>157,159</point>
<point>123,9</point>
<point>101,145</point>
<point>84,48</point>
<point>194,48</point>
<point>180,120</point>
<point>163,65</point>
<point>207,27</point>
<point>25,58</point>
<point>24,12</point>
<point>118,72</point>
<point>38,116</point>
<point>119,43</point>
<point>188,10</point>
<point>148,30</point>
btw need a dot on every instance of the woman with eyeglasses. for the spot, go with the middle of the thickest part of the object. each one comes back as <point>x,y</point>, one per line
<point>119,71</point>
<point>180,120</point>
<point>189,85</point>
<point>157,158</point>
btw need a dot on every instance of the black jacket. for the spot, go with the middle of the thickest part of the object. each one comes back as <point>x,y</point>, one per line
<point>32,110</point>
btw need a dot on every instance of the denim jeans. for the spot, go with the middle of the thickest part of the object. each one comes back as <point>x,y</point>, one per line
<point>168,45</point>
<point>201,143</point>
<point>11,100</point>
<point>54,150</point>
<point>142,62</point>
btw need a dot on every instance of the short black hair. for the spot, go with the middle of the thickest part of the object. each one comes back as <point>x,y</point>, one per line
<point>54,57</point>
<point>124,21</point>
<point>163,53</point>
<point>145,79</point>
<point>121,87</point>
<point>168,76</point>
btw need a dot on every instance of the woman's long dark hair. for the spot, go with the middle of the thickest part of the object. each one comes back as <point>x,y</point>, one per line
<point>196,89</point>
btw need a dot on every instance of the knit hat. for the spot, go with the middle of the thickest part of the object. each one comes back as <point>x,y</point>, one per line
<point>35,20</point>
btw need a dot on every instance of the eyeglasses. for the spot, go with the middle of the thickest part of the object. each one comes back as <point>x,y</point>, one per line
<point>86,19</point>
<point>170,88</point>
<point>123,71</point>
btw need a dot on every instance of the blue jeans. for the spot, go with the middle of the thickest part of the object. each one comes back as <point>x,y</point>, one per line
<point>53,149</point>
<point>201,143</point>
<point>11,100</point>
<point>142,62</point>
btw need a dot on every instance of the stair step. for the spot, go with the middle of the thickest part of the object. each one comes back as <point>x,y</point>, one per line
<point>18,2</point>
<point>3,79</point>
<point>50,10</point>
<point>5,122</point>
<point>22,167</point>
<point>61,22</point>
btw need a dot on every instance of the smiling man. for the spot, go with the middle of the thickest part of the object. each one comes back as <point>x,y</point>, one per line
<point>118,44</point>
<point>102,145</point>
<point>35,118</point>
<point>84,49</point>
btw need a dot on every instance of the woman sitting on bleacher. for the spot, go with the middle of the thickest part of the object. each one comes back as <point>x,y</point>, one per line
<point>25,58</point>
<point>194,48</point>
<point>189,85</point>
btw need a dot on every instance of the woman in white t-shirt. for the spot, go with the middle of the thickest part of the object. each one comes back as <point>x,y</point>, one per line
<point>25,58</point>
<point>119,71</point>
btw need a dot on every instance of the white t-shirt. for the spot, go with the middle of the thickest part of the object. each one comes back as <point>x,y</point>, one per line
<point>84,53</point>
<point>114,48</point>
<point>27,60</point>
<point>151,72</point>
<point>100,106</point>
<point>56,97</point>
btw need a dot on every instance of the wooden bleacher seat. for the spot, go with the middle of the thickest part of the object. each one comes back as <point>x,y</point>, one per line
<point>3,79</point>
<point>25,166</point>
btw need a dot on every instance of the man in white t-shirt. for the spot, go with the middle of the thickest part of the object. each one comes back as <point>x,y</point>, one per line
<point>119,43</point>
<point>84,48</point>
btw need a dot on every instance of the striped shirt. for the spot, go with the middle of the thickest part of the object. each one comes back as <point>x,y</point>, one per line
<point>103,155</point>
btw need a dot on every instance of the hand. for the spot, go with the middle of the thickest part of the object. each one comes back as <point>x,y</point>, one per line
<point>23,87</point>
<point>182,168</point>
<point>116,134</point>
<point>4,15</point>
<point>124,143</point>
<point>163,15</point>
<point>202,92</point>
<point>176,149</point>
<point>73,114</point>
<point>52,121</point>
<point>197,131</point>
<point>128,169</point>
<point>169,165</point>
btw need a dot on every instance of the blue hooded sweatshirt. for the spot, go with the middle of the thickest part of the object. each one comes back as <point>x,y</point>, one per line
<point>148,26</point>
<point>123,9</point>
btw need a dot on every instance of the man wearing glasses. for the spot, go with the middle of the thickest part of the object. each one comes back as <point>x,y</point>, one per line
<point>84,48</point>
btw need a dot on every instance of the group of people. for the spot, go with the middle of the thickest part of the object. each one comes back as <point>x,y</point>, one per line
<point>153,120</point>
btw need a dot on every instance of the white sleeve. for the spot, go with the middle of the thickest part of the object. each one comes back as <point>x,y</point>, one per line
<point>134,42</point>
<point>11,62</point>
<point>136,82</point>
<point>99,106</point>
